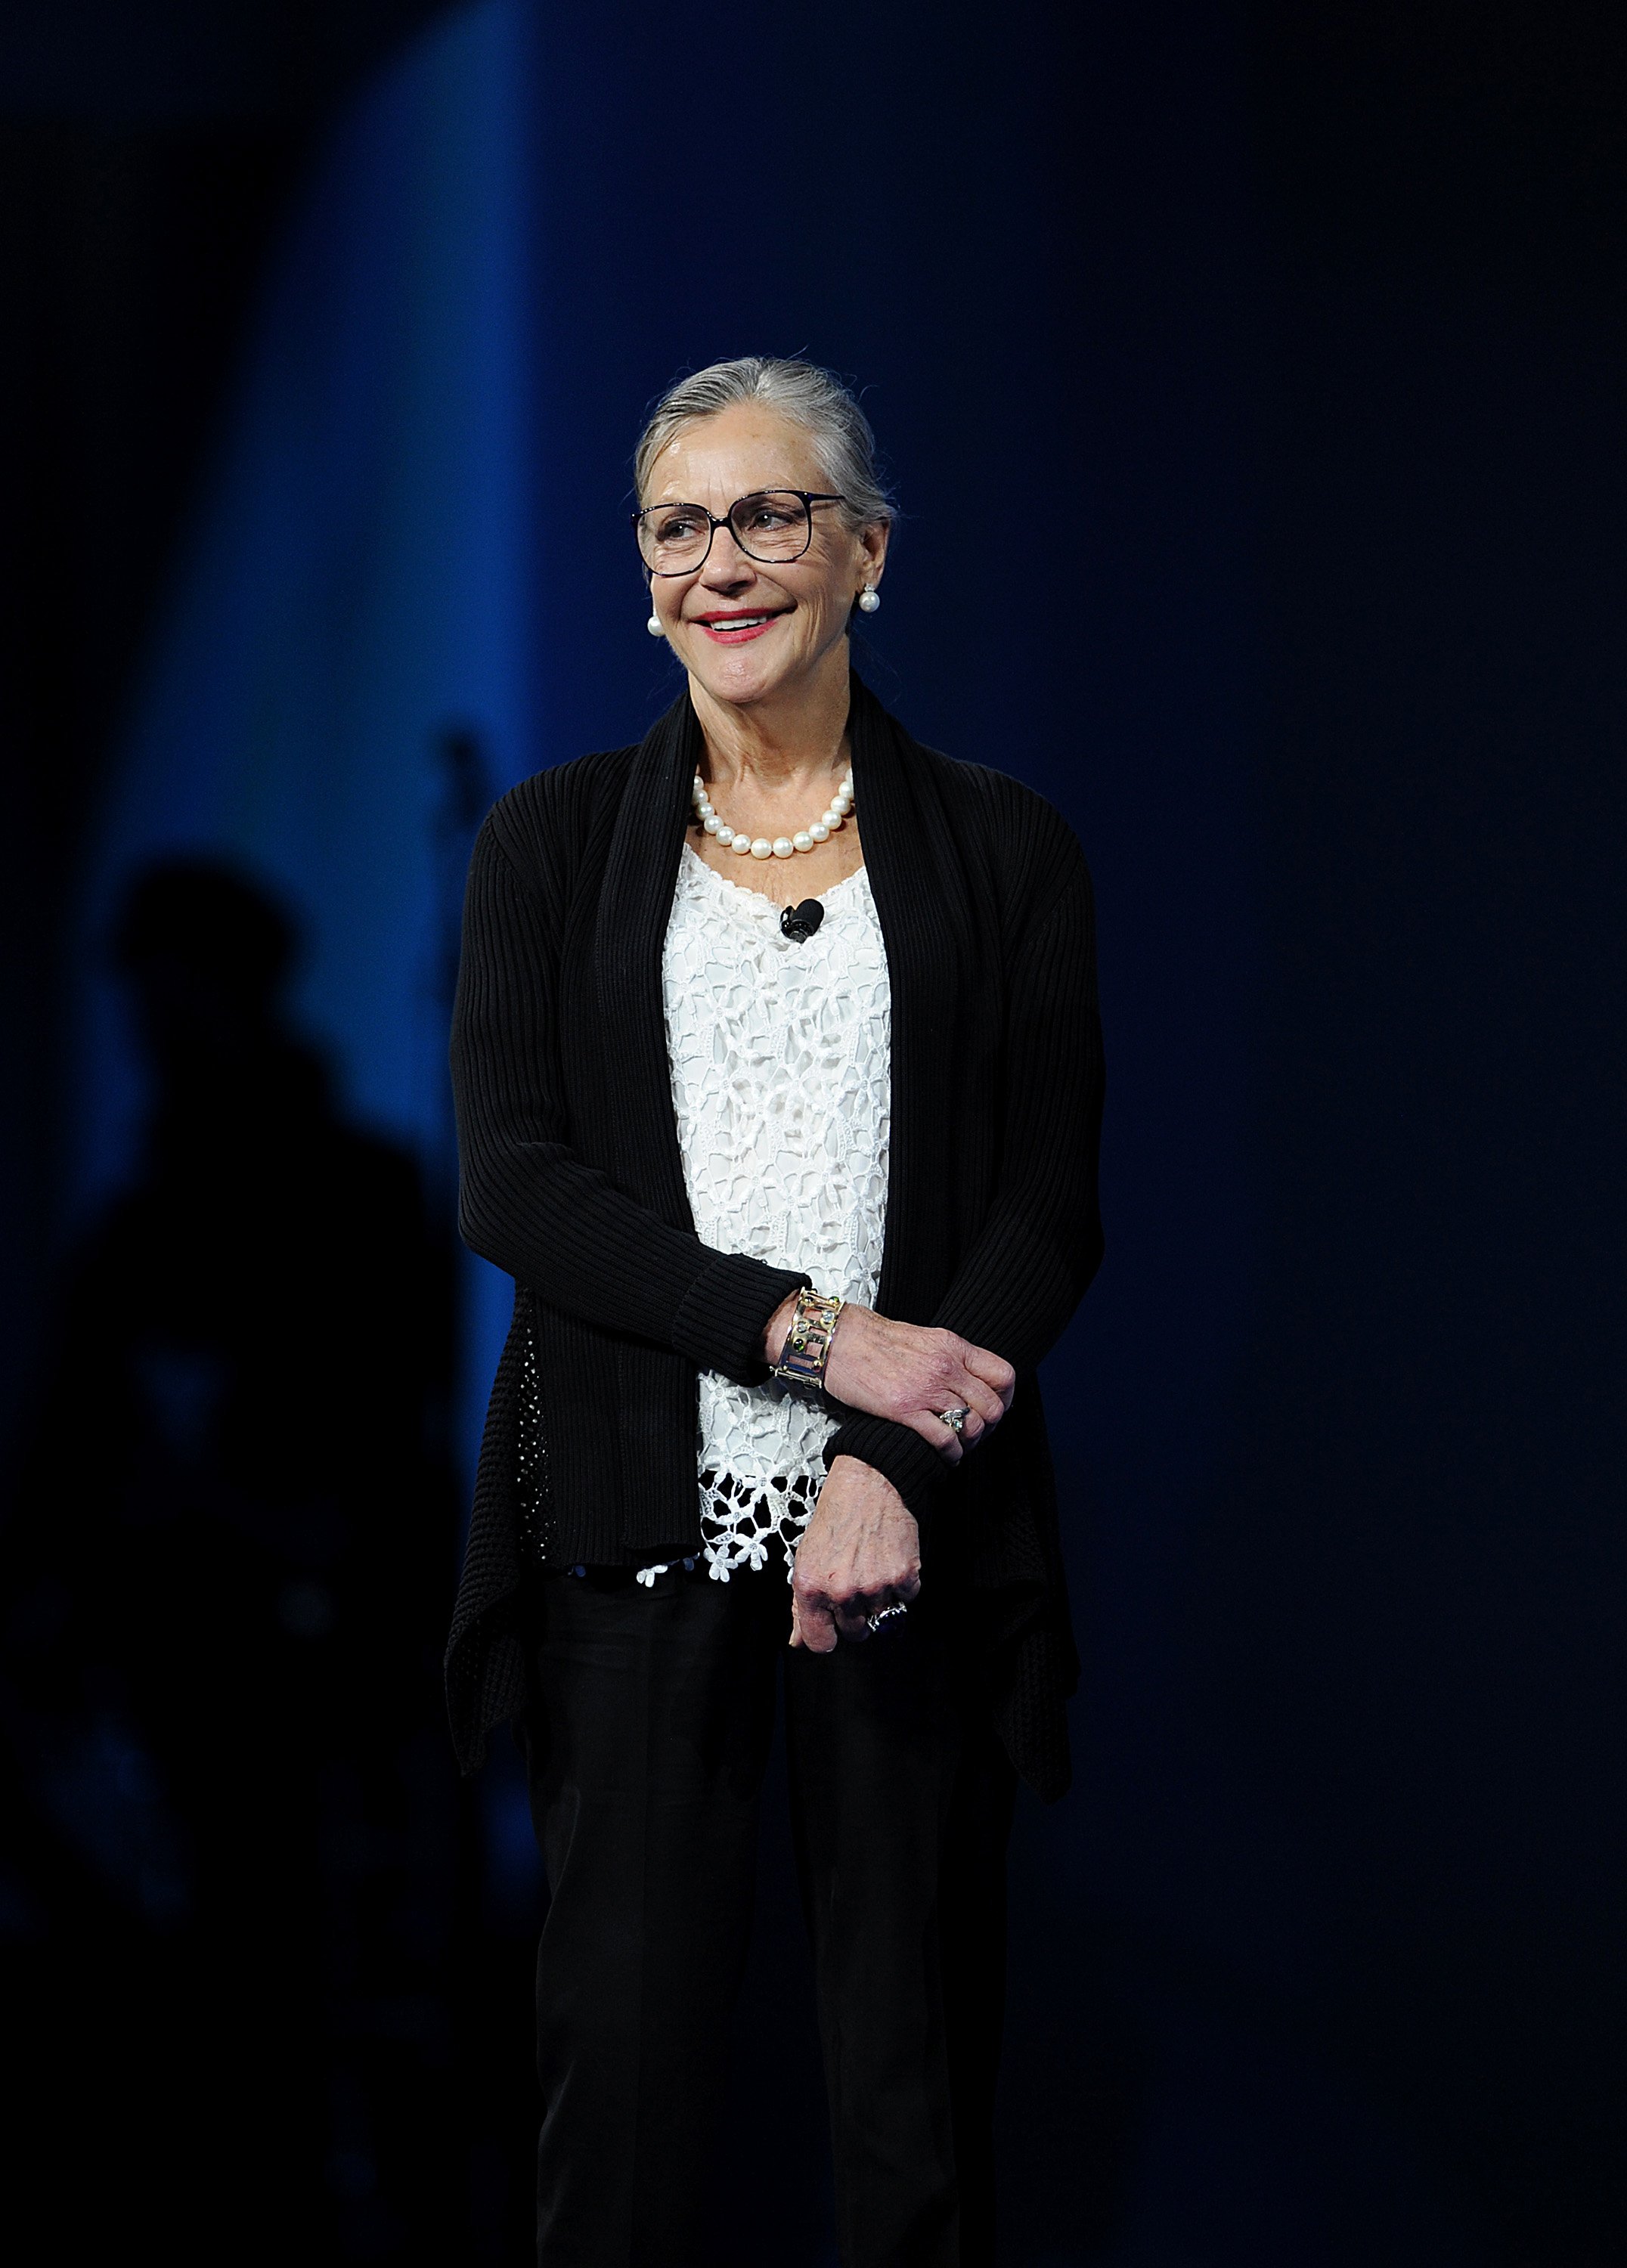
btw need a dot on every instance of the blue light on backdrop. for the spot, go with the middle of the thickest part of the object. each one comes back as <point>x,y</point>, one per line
<point>357,587</point>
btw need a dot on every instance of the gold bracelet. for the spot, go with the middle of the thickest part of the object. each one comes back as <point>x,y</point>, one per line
<point>800,1369</point>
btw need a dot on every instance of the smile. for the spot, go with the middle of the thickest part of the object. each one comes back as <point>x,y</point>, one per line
<point>734,629</point>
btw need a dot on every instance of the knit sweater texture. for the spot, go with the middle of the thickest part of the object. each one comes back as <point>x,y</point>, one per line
<point>572,1182</point>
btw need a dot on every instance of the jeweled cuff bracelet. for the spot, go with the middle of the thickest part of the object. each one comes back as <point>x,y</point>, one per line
<point>800,1369</point>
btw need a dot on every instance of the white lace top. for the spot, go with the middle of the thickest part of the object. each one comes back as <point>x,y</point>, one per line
<point>781,1058</point>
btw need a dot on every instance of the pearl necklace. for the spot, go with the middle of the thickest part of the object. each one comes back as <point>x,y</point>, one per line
<point>783,845</point>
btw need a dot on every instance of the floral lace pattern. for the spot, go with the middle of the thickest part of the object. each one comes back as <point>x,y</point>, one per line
<point>781,1061</point>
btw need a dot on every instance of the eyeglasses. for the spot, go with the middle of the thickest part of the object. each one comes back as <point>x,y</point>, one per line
<point>771,525</point>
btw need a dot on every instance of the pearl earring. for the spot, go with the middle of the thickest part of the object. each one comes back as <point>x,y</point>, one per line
<point>869,598</point>
<point>654,625</point>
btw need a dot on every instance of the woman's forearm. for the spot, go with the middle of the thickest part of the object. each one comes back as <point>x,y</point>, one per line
<point>775,1330</point>
<point>530,1203</point>
<point>584,1248</point>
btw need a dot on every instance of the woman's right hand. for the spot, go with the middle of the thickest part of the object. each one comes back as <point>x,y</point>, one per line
<point>911,1372</point>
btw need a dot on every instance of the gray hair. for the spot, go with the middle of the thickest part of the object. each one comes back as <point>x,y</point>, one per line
<point>812,398</point>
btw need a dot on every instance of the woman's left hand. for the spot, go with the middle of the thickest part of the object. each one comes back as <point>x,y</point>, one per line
<point>860,1550</point>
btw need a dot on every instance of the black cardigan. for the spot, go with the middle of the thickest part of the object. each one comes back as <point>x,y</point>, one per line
<point>572,1182</point>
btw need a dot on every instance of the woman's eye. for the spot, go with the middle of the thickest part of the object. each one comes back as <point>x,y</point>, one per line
<point>677,528</point>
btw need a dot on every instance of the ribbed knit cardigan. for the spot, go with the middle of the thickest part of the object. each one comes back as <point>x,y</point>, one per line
<point>572,1181</point>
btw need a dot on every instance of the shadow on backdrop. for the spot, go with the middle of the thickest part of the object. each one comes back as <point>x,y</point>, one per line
<point>241,1849</point>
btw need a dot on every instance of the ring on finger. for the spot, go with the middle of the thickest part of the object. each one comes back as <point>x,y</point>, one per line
<point>955,1418</point>
<point>890,1613</point>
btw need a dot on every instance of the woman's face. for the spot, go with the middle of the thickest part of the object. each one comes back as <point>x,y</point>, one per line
<point>748,630</point>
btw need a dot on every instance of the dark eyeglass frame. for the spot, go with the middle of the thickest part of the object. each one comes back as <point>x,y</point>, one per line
<point>807,498</point>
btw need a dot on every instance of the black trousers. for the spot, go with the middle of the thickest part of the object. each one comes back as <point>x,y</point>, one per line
<point>648,1738</point>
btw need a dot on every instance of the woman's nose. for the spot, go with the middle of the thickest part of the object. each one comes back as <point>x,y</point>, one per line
<point>725,562</point>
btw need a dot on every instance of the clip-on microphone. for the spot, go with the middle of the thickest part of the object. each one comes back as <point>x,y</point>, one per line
<point>798,923</point>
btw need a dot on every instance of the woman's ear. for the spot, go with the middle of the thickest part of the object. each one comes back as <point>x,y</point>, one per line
<point>873,541</point>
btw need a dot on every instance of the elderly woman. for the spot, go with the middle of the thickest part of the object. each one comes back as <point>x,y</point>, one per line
<point>779,1081</point>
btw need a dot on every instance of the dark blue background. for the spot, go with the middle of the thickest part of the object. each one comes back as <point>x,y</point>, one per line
<point>1251,381</point>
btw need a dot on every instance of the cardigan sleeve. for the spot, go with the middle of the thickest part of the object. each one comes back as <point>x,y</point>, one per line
<point>529,1204</point>
<point>1027,1268</point>
<point>1033,1258</point>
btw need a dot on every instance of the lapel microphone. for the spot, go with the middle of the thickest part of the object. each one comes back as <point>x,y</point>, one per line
<point>798,923</point>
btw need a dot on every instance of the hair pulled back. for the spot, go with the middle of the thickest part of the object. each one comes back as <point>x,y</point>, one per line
<point>815,398</point>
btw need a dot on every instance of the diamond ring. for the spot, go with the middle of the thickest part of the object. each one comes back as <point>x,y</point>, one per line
<point>889,1614</point>
<point>955,1419</point>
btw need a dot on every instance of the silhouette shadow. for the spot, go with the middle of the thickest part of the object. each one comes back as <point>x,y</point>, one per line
<point>238,1848</point>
